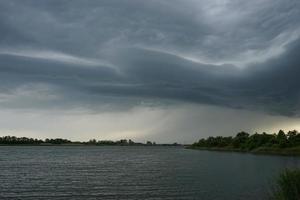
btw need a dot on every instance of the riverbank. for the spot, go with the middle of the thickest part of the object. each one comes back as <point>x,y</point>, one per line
<point>287,144</point>
<point>293,151</point>
<point>93,145</point>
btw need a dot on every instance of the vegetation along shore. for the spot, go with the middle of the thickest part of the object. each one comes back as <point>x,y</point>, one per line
<point>12,140</point>
<point>280,144</point>
<point>287,185</point>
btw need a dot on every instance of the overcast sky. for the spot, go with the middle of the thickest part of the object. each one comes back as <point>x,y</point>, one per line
<point>164,70</point>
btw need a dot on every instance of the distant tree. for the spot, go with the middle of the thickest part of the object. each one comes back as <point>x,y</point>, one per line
<point>281,139</point>
<point>123,142</point>
<point>240,140</point>
<point>92,141</point>
<point>293,138</point>
<point>254,141</point>
<point>130,142</point>
<point>249,142</point>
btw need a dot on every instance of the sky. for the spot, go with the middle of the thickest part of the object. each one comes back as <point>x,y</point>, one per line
<point>159,70</point>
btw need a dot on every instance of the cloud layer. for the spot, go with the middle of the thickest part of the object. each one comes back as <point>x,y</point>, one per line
<point>116,55</point>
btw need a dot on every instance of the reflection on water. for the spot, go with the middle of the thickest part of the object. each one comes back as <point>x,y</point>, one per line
<point>134,173</point>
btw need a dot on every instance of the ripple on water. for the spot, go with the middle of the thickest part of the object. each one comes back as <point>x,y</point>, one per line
<point>150,173</point>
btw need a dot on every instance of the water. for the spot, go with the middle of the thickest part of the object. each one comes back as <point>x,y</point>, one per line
<point>135,173</point>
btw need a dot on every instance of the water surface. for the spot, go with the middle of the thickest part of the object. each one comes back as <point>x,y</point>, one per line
<point>152,173</point>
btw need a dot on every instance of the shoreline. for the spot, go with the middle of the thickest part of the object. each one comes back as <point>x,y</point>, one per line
<point>89,145</point>
<point>294,151</point>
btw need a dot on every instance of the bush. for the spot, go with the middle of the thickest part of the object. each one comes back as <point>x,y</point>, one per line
<point>288,185</point>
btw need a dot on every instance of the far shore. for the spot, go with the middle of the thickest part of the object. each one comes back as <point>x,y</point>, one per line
<point>97,145</point>
<point>24,141</point>
<point>286,144</point>
<point>294,151</point>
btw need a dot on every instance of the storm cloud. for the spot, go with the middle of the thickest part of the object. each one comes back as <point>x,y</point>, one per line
<point>117,55</point>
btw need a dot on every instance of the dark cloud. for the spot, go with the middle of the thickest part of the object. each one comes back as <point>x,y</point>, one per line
<point>89,54</point>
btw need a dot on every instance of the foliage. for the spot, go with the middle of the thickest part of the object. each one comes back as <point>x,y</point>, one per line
<point>12,140</point>
<point>287,186</point>
<point>247,142</point>
<point>21,140</point>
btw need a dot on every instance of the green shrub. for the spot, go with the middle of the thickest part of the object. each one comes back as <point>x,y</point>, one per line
<point>287,186</point>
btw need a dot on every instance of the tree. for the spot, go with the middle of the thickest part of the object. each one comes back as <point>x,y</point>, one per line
<point>293,138</point>
<point>92,141</point>
<point>281,139</point>
<point>240,139</point>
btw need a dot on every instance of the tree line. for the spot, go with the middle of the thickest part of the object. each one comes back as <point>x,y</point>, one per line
<point>12,140</point>
<point>245,141</point>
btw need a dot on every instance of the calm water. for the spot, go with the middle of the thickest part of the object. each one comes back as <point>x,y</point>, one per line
<point>134,173</point>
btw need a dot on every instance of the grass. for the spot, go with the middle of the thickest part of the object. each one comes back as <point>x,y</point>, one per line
<point>287,185</point>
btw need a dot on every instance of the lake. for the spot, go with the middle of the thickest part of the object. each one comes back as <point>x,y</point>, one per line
<point>152,173</point>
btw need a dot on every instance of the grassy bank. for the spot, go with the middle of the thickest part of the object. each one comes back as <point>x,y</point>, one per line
<point>293,151</point>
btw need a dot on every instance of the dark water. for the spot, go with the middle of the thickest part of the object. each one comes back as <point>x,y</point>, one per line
<point>135,173</point>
